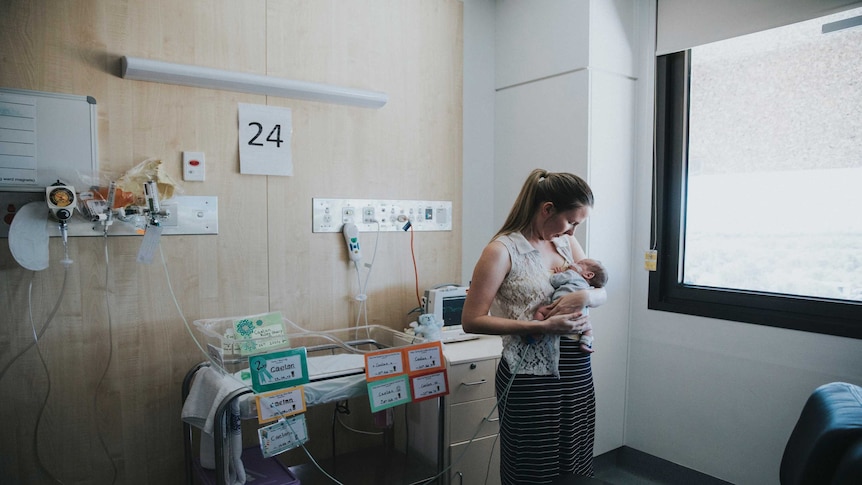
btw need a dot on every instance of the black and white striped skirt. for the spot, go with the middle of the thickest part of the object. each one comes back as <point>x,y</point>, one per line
<point>547,425</point>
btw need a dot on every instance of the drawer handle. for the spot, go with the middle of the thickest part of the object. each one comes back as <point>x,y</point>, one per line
<point>476,383</point>
<point>493,420</point>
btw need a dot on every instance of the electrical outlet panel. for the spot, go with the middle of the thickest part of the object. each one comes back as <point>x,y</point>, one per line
<point>329,215</point>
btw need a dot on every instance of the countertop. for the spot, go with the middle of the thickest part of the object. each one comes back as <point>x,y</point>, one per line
<point>485,347</point>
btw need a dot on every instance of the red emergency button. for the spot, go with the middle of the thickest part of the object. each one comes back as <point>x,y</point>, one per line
<point>194,163</point>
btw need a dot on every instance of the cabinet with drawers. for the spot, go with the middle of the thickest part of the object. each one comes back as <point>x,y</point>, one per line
<point>472,399</point>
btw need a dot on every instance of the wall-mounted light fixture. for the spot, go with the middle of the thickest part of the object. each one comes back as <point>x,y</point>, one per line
<point>204,77</point>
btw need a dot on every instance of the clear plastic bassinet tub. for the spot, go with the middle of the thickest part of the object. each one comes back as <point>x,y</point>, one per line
<point>336,362</point>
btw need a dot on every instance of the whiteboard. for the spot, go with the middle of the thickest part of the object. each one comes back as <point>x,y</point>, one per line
<point>45,137</point>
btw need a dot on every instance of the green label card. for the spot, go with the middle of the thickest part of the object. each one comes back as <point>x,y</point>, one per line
<point>259,333</point>
<point>389,393</point>
<point>284,435</point>
<point>278,370</point>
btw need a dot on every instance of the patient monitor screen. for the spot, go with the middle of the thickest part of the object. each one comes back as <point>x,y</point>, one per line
<point>452,308</point>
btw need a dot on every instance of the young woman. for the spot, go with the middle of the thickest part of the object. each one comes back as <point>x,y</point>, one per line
<point>547,423</point>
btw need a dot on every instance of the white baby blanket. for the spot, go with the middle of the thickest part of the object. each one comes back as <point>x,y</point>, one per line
<point>209,389</point>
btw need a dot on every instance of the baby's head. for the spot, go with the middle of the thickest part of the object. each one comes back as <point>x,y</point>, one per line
<point>593,271</point>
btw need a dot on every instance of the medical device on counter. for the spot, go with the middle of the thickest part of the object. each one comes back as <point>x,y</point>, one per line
<point>61,200</point>
<point>446,302</point>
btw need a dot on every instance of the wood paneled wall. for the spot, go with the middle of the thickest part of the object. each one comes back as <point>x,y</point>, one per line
<point>105,406</point>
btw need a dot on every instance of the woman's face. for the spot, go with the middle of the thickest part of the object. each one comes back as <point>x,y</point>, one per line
<point>565,222</point>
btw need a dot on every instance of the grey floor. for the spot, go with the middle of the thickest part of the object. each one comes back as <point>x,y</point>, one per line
<point>621,476</point>
<point>623,466</point>
<point>627,466</point>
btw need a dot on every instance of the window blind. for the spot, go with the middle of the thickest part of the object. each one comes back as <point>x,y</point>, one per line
<point>683,24</point>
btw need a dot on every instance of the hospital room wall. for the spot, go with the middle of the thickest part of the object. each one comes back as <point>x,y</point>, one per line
<point>115,359</point>
<point>717,396</point>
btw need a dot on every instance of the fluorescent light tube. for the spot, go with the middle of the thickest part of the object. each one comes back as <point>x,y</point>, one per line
<point>204,77</point>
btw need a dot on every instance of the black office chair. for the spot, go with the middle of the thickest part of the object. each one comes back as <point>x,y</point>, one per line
<point>825,446</point>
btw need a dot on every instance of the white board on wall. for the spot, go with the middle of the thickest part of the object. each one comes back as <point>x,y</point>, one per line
<point>45,137</point>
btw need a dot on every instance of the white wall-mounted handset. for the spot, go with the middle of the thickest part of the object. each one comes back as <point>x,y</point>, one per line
<point>351,238</point>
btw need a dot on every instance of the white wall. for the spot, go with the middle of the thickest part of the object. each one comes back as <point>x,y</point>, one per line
<point>478,140</point>
<point>540,124</point>
<point>612,136</point>
<point>716,396</point>
<point>536,40</point>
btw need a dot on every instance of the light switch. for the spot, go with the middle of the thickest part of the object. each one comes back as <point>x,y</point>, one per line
<point>194,166</point>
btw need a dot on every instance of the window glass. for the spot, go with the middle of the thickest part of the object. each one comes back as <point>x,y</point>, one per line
<point>773,199</point>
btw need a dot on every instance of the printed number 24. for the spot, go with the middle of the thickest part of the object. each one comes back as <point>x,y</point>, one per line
<point>273,137</point>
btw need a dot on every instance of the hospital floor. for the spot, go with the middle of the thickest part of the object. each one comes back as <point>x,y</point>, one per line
<point>623,466</point>
<point>627,466</point>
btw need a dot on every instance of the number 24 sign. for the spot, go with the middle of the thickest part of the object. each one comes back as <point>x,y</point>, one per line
<point>264,140</point>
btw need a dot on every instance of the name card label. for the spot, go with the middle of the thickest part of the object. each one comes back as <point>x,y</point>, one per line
<point>426,386</point>
<point>389,393</point>
<point>280,404</point>
<point>258,333</point>
<point>384,363</point>
<point>215,354</point>
<point>425,357</point>
<point>264,140</point>
<point>278,370</point>
<point>283,435</point>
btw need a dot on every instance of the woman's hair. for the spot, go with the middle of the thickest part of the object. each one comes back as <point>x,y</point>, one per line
<point>565,190</point>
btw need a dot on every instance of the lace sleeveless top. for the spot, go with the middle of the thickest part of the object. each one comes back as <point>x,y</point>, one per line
<point>525,289</point>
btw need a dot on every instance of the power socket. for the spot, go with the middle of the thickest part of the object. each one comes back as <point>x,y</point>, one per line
<point>347,214</point>
<point>368,215</point>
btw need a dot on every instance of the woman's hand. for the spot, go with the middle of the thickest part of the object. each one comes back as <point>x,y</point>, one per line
<point>571,303</point>
<point>567,323</point>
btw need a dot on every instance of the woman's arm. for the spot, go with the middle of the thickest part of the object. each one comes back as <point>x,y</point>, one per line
<point>492,268</point>
<point>577,301</point>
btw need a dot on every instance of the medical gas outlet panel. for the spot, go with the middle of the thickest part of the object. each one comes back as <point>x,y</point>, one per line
<point>329,215</point>
<point>181,215</point>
